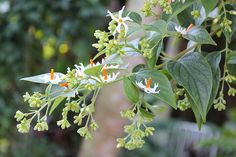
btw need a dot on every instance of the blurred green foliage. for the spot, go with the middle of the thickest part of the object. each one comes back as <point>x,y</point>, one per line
<point>37,35</point>
<point>226,139</point>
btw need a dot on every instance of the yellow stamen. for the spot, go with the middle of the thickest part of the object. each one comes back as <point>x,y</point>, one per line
<point>120,20</point>
<point>52,74</point>
<point>91,62</point>
<point>189,27</point>
<point>63,84</point>
<point>149,82</point>
<point>104,71</point>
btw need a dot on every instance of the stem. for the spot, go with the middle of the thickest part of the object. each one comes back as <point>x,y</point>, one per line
<point>177,56</point>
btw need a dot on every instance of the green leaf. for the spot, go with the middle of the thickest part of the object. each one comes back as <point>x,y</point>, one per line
<point>157,109</point>
<point>185,18</point>
<point>214,61</point>
<point>40,78</point>
<point>200,36</point>
<point>209,5</point>
<point>166,93</point>
<point>177,8</point>
<point>194,73</point>
<point>159,26</point>
<point>231,58</point>
<point>131,90</point>
<point>196,112</point>
<point>135,17</point>
<point>138,68</point>
<point>48,90</point>
<point>156,50</point>
<point>56,103</point>
<point>146,113</point>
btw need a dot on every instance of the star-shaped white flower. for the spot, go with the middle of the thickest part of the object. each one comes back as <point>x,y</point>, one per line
<point>105,78</point>
<point>53,78</point>
<point>182,30</point>
<point>147,86</point>
<point>80,70</point>
<point>120,20</point>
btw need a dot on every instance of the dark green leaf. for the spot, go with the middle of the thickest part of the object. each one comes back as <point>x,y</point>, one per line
<point>200,36</point>
<point>131,90</point>
<point>209,5</point>
<point>194,73</point>
<point>196,112</point>
<point>146,113</point>
<point>135,17</point>
<point>214,61</point>
<point>231,58</point>
<point>166,93</point>
<point>56,103</point>
<point>138,67</point>
<point>156,50</point>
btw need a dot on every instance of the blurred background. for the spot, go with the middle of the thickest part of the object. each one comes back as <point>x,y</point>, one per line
<point>39,35</point>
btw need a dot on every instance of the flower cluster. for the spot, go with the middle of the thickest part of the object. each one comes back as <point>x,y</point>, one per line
<point>148,5</point>
<point>145,48</point>
<point>137,130</point>
<point>184,103</point>
<point>196,14</point>
<point>220,102</point>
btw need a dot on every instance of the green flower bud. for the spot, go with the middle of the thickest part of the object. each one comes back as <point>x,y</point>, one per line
<point>19,116</point>
<point>26,97</point>
<point>195,14</point>
<point>78,120</point>
<point>64,123</point>
<point>127,114</point>
<point>94,125</point>
<point>220,102</point>
<point>84,132</point>
<point>149,131</point>
<point>232,12</point>
<point>41,126</point>
<point>73,106</point>
<point>231,91</point>
<point>121,142</point>
<point>24,126</point>
<point>230,78</point>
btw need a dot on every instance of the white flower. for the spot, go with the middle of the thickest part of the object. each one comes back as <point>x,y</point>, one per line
<point>53,78</point>
<point>80,70</point>
<point>182,30</point>
<point>107,78</point>
<point>120,20</point>
<point>147,87</point>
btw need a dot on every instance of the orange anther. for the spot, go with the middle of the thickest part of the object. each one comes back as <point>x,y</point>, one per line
<point>52,74</point>
<point>189,27</point>
<point>104,71</point>
<point>64,84</point>
<point>149,82</point>
<point>91,62</point>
